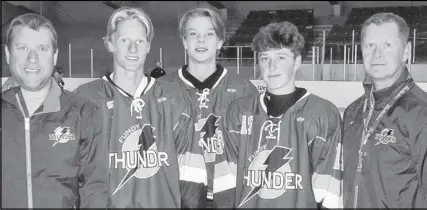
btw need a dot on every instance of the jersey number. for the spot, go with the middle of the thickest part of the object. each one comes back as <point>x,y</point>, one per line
<point>246,125</point>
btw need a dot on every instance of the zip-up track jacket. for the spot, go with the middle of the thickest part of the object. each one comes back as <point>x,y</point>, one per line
<point>60,146</point>
<point>209,107</point>
<point>394,170</point>
<point>154,161</point>
<point>290,161</point>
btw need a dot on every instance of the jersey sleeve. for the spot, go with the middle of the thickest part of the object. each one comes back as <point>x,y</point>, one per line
<point>93,170</point>
<point>327,160</point>
<point>83,92</point>
<point>422,167</point>
<point>224,184</point>
<point>251,89</point>
<point>80,91</point>
<point>192,168</point>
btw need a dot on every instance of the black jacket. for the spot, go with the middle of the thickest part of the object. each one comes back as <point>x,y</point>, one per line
<point>394,170</point>
<point>66,152</point>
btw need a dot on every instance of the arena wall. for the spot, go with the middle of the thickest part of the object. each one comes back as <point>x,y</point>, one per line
<point>338,92</point>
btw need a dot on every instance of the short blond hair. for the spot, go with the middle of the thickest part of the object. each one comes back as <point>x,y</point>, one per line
<point>382,18</point>
<point>215,18</point>
<point>129,13</point>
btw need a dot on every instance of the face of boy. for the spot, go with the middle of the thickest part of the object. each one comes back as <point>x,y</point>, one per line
<point>201,41</point>
<point>130,45</point>
<point>278,67</point>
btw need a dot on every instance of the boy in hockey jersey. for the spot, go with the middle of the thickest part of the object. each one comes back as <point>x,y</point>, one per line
<point>385,135</point>
<point>208,84</point>
<point>154,161</point>
<point>282,147</point>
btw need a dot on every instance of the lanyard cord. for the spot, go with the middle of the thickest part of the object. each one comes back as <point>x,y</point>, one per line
<point>367,131</point>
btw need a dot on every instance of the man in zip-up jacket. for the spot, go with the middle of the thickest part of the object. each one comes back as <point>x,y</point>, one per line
<point>52,154</point>
<point>385,130</point>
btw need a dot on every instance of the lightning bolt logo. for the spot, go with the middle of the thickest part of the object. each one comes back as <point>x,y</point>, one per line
<point>278,157</point>
<point>208,129</point>
<point>146,140</point>
<point>62,135</point>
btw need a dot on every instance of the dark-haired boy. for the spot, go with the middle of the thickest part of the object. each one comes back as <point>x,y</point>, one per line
<point>282,147</point>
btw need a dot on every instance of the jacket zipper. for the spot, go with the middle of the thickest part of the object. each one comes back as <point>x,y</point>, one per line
<point>27,152</point>
<point>28,163</point>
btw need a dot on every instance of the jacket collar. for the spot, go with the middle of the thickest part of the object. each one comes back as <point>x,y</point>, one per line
<point>404,79</point>
<point>51,103</point>
<point>9,83</point>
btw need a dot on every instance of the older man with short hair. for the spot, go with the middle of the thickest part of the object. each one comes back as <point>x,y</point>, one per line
<point>52,152</point>
<point>385,130</point>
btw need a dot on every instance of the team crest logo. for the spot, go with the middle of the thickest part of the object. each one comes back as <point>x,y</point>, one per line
<point>137,106</point>
<point>139,155</point>
<point>62,135</point>
<point>269,175</point>
<point>386,136</point>
<point>203,98</point>
<point>210,137</point>
<point>273,129</point>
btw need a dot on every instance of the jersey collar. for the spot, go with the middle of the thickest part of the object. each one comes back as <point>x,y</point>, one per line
<point>143,87</point>
<point>187,82</point>
<point>264,107</point>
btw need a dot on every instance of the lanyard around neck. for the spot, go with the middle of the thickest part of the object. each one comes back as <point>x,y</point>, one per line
<point>367,131</point>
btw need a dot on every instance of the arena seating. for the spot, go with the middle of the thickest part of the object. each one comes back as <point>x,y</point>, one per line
<point>415,16</point>
<point>412,14</point>
<point>303,19</point>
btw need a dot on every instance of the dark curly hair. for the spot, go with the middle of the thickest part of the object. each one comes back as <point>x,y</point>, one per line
<point>279,35</point>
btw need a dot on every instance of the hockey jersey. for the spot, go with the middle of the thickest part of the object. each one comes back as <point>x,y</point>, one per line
<point>209,106</point>
<point>153,159</point>
<point>290,161</point>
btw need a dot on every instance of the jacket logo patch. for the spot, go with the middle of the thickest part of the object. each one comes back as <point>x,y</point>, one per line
<point>269,175</point>
<point>300,119</point>
<point>62,135</point>
<point>139,155</point>
<point>210,137</point>
<point>385,137</point>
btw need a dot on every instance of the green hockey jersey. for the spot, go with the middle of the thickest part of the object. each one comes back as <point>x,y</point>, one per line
<point>154,159</point>
<point>209,106</point>
<point>290,161</point>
